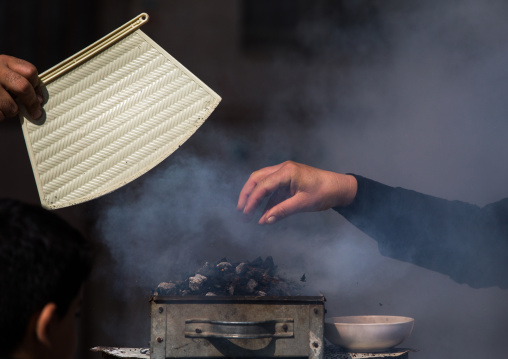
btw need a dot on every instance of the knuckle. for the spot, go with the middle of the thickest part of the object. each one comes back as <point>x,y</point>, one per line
<point>254,176</point>
<point>30,69</point>
<point>19,83</point>
<point>9,108</point>
<point>289,167</point>
<point>290,164</point>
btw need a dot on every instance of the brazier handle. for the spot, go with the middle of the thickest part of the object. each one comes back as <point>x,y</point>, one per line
<point>206,328</point>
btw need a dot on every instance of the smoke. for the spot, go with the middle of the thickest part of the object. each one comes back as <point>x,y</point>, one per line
<point>428,110</point>
<point>418,100</point>
<point>184,213</point>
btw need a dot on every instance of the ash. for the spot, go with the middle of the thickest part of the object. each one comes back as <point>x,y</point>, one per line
<point>224,278</point>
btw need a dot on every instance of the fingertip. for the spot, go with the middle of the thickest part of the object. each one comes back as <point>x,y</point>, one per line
<point>36,114</point>
<point>240,206</point>
<point>247,217</point>
<point>267,219</point>
<point>271,220</point>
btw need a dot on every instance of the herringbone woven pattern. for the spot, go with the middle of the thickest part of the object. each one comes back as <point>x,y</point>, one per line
<point>113,118</point>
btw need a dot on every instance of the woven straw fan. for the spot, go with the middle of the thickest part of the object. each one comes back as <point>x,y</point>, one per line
<point>114,111</point>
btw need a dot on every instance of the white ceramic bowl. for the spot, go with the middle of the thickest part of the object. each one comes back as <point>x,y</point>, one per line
<point>368,333</point>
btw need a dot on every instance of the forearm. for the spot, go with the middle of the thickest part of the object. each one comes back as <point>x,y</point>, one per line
<point>461,240</point>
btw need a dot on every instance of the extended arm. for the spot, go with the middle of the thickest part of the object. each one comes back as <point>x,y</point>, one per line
<point>461,240</point>
<point>464,241</point>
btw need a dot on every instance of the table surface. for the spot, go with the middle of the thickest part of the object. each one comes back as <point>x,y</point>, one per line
<point>331,352</point>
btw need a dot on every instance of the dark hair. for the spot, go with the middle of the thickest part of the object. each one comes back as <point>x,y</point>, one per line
<point>42,260</point>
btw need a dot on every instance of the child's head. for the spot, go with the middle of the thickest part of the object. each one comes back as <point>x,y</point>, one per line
<point>43,264</point>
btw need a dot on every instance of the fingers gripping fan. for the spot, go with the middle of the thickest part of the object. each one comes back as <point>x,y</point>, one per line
<point>114,111</point>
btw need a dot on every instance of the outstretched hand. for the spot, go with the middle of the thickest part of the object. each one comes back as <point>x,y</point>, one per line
<point>292,188</point>
<point>19,80</point>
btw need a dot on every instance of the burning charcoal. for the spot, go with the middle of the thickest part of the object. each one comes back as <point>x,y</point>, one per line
<point>207,269</point>
<point>242,268</point>
<point>197,282</point>
<point>269,265</point>
<point>254,273</point>
<point>258,262</point>
<point>166,288</point>
<point>251,285</point>
<point>225,267</point>
<point>223,278</point>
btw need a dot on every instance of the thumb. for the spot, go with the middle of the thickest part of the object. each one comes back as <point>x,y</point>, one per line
<point>282,210</point>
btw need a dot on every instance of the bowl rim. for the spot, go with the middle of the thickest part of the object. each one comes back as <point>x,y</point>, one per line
<point>336,320</point>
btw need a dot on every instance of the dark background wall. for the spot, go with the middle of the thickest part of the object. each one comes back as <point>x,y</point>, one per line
<point>407,93</point>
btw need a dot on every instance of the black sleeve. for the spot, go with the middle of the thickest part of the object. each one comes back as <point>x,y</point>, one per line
<point>461,240</point>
